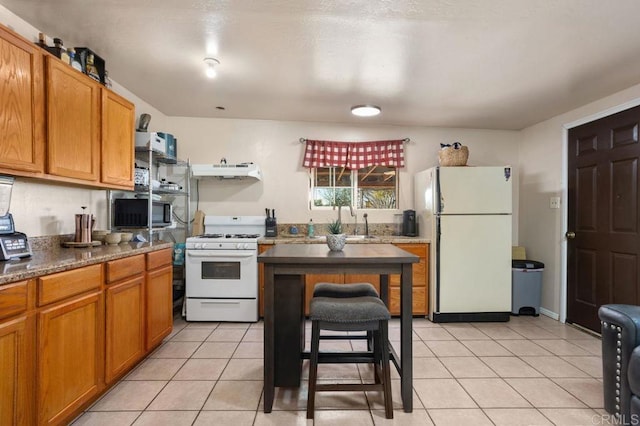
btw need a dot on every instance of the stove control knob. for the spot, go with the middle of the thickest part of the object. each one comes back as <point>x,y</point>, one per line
<point>241,246</point>
<point>197,245</point>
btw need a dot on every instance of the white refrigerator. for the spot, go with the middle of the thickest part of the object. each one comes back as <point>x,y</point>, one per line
<point>466,212</point>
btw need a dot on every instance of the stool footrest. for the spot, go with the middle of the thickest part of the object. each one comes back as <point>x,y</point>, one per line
<point>343,337</point>
<point>345,357</point>
<point>349,387</point>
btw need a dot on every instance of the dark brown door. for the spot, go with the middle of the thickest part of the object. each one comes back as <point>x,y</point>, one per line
<point>602,257</point>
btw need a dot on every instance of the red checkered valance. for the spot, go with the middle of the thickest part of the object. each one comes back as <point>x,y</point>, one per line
<point>354,155</point>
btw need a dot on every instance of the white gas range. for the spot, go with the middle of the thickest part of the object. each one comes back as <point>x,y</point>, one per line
<point>221,269</point>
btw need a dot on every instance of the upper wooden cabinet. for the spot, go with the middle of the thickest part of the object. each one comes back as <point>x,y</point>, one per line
<point>22,130</point>
<point>117,140</point>
<point>50,111</point>
<point>73,123</point>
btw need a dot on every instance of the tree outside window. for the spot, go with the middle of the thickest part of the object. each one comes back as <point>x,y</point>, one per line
<point>374,187</point>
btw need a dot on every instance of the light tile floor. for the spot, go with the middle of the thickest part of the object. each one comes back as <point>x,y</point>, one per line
<point>528,371</point>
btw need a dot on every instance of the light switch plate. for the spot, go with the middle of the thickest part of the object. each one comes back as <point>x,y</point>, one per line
<point>554,202</point>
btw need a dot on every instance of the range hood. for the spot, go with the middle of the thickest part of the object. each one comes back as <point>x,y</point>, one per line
<point>226,171</point>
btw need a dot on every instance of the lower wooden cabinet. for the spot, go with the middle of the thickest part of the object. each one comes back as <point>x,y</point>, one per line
<point>125,315</point>
<point>125,322</point>
<point>17,359</point>
<point>419,300</point>
<point>66,337</point>
<point>159,297</point>
<point>70,360</point>
<point>420,281</point>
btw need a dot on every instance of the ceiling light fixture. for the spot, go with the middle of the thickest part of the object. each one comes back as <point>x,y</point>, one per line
<point>211,67</point>
<point>365,110</point>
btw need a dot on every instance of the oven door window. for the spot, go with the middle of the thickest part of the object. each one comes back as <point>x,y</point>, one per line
<point>226,270</point>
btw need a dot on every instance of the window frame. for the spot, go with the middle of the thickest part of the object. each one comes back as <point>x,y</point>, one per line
<point>353,189</point>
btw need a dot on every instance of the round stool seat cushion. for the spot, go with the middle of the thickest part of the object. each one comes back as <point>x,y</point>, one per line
<point>350,310</point>
<point>344,290</point>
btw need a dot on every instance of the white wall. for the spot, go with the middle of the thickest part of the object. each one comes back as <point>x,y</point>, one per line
<point>42,208</point>
<point>542,175</point>
<point>275,147</point>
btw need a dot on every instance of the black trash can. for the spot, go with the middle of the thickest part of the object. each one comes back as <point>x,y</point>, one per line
<point>526,290</point>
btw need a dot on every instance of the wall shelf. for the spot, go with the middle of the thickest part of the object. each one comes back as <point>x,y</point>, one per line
<point>160,166</point>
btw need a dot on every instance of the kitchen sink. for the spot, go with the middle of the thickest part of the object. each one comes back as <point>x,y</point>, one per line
<point>349,237</point>
<point>359,237</point>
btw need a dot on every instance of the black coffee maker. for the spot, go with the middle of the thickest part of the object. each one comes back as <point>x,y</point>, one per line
<point>271,226</point>
<point>409,223</point>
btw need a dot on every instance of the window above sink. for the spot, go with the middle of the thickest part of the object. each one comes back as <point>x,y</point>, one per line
<point>374,187</point>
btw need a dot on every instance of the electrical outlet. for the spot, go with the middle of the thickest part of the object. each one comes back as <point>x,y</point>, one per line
<point>554,202</point>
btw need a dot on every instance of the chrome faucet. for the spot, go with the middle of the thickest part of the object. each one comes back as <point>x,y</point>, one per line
<point>354,214</point>
<point>366,225</point>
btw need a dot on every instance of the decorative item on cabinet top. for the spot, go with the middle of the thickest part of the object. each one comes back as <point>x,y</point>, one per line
<point>453,154</point>
<point>84,56</point>
<point>88,62</point>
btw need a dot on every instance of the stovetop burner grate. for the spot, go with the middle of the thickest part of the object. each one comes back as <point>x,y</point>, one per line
<point>242,235</point>
<point>214,236</point>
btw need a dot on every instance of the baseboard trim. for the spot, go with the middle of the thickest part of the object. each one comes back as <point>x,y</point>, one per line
<point>549,314</point>
<point>471,317</point>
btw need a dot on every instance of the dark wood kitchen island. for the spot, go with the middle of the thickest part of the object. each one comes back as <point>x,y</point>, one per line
<point>285,266</point>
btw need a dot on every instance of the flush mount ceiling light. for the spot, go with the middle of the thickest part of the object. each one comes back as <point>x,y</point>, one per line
<point>211,67</point>
<point>365,110</point>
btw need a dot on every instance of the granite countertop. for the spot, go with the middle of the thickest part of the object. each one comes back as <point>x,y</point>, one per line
<point>351,239</point>
<point>58,259</point>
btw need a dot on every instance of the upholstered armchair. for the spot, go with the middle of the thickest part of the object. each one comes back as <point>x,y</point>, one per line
<point>621,361</point>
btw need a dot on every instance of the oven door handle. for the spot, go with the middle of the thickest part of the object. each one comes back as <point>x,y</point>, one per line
<point>227,254</point>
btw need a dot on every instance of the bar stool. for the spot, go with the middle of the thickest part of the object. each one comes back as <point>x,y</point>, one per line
<point>323,289</point>
<point>361,313</point>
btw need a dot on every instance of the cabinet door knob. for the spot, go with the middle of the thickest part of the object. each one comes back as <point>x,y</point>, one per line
<point>570,235</point>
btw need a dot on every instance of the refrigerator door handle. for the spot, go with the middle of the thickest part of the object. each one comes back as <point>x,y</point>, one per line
<point>437,265</point>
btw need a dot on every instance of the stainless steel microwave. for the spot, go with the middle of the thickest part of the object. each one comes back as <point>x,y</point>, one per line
<point>134,213</point>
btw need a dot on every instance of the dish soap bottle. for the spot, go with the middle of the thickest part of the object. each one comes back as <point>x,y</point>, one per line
<point>310,230</point>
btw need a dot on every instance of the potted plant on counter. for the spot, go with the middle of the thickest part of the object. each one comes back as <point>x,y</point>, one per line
<point>336,239</point>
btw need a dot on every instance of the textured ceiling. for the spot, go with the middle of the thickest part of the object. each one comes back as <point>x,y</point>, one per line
<point>500,64</point>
